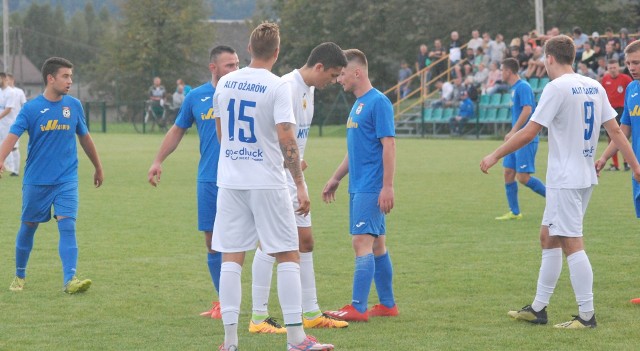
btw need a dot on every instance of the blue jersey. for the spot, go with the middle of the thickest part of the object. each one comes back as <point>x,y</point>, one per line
<point>631,114</point>
<point>198,107</point>
<point>466,108</point>
<point>52,155</point>
<point>370,119</point>
<point>521,96</point>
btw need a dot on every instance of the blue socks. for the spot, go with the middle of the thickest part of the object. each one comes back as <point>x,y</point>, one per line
<point>383,278</point>
<point>68,247</point>
<point>512,197</point>
<point>362,279</point>
<point>24,244</point>
<point>214,261</point>
<point>537,186</point>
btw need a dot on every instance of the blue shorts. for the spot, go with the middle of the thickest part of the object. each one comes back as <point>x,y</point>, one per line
<point>207,198</point>
<point>523,160</point>
<point>636,196</point>
<point>365,215</point>
<point>38,199</point>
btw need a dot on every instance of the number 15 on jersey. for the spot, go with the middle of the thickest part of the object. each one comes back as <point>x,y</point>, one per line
<point>246,133</point>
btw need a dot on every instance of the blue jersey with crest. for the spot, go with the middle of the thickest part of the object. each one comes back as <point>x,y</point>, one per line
<point>198,107</point>
<point>631,114</point>
<point>370,119</point>
<point>521,96</point>
<point>52,155</point>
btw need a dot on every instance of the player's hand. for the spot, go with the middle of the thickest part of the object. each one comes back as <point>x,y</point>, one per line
<point>385,199</point>
<point>303,165</point>
<point>303,200</point>
<point>98,178</point>
<point>599,164</point>
<point>636,174</point>
<point>154,174</point>
<point>488,162</point>
<point>1,168</point>
<point>329,191</point>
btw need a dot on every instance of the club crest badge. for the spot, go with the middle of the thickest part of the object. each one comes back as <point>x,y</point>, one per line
<point>359,109</point>
<point>66,112</point>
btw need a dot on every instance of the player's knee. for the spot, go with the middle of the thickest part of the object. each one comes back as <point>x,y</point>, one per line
<point>523,178</point>
<point>306,245</point>
<point>31,224</point>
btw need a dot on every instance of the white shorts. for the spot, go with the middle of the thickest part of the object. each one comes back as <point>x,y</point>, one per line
<point>564,211</point>
<point>245,217</point>
<point>301,221</point>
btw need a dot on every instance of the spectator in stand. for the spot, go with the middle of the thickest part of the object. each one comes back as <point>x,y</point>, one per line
<point>602,67</point>
<point>486,39</point>
<point>528,53</point>
<point>536,64</point>
<point>403,74</point>
<point>481,77</point>
<point>588,54</point>
<point>497,49</point>
<point>610,51</point>
<point>495,78</point>
<point>455,53</point>
<point>608,32</point>
<point>434,55</point>
<point>615,84</point>
<point>579,39</point>
<point>598,41</point>
<point>584,70</point>
<point>178,97</point>
<point>523,60</point>
<point>597,54</point>
<point>465,112</point>
<point>446,95</point>
<point>479,58</point>
<point>475,42</point>
<point>624,41</point>
<point>467,68</point>
<point>422,60</point>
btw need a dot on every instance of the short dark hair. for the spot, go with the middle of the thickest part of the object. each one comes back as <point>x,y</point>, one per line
<point>329,54</point>
<point>3,75</point>
<point>562,48</point>
<point>52,65</point>
<point>213,55</point>
<point>511,64</point>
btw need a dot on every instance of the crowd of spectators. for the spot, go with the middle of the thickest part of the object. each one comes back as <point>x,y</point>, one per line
<point>475,67</point>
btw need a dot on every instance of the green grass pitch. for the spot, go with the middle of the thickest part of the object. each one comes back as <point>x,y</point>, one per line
<point>457,270</point>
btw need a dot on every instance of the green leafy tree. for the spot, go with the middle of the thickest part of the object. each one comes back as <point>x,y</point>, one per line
<point>155,38</point>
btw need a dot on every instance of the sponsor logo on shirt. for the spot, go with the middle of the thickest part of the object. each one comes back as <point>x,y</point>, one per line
<point>635,111</point>
<point>245,154</point>
<point>303,133</point>
<point>209,115</point>
<point>588,152</point>
<point>351,123</point>
<point>53,125</point>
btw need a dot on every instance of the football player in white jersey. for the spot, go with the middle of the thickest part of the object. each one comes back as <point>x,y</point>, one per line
<point>256,131</point>
<point>323,66</point>
<point>9,108</point>
<point>14,157</point>
<point>572,107</point>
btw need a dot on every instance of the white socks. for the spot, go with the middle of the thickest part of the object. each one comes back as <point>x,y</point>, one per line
<point>230,298</point>
<point>262,271</point>
<point>550,269</point>
<point>582,282</point>
<point>308,283</point>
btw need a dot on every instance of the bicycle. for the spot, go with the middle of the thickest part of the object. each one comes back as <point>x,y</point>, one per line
<point>156,114</point>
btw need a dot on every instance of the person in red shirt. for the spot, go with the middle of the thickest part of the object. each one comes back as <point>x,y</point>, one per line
<point>615,84</point>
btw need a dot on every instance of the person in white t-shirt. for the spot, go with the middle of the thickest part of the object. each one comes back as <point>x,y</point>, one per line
<point>256,124</point>
<point>14,157</point>
<point>572,107</point>
<point>321,69</point>
<point>9,107</point>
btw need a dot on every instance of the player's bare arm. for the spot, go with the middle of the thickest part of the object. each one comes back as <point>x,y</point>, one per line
<point>611,149</point>
<point>6,147</point>
<point>622,143</point>
<point>168,146</point>
<point>386,198</point>
<point>90,149</point>
<point>520,139</point>
<point>329,191</point>
<point>522,119</point>
<point>291,154</point>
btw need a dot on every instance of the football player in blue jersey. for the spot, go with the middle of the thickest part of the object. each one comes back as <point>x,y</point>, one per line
<point>521,164</point>
<point>51,172</point>
<point>370,163</point>
<point>198,107</point>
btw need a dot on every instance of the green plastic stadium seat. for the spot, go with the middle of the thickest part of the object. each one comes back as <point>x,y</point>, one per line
<point>437,114</point>
<point>428,114</point>
<point>506,100</point>
<point>503,115</point>
<point>495,100</point>
<point>538,95</point>
<point>482,114</point>
<point>543,82</point>
<point>484,99</point>
<point>491,115</point>
<point>534,82</point>
<point>448,113</point>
